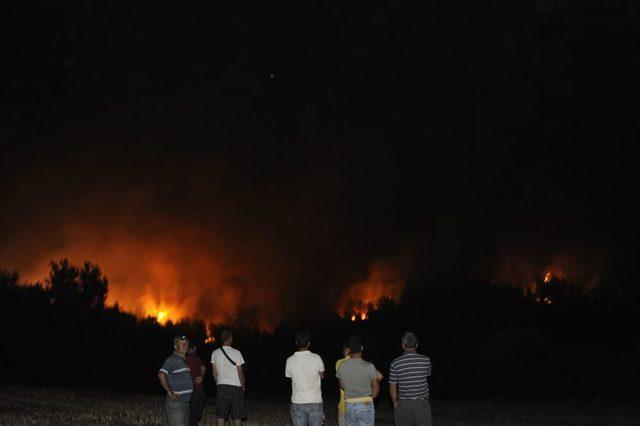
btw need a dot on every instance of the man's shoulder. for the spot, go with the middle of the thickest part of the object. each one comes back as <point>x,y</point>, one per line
<point>408,357</point>
<point>173,362</point>
<point>315,356</point>
<point>291,357</point>
<point>173,358</point>
<point>341,361</point>
<point>349,362</point>
<point>398,359</point>
<point>229,350</point>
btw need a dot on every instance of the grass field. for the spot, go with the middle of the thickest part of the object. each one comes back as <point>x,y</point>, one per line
<point>37,406</point>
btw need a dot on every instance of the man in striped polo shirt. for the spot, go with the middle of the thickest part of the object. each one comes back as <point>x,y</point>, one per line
<point>408,385</point>
<point>175,378</point>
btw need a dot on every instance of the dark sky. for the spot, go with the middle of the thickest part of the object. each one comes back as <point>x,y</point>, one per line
<point>314,139</point>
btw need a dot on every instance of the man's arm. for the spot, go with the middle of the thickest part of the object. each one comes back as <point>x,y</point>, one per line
<point>321,368</point>
<point>341,384</point>
<point>393,391</point>
<point>375,387</point>
<point>241,377</point>
<point>162,376</point>
<point>379,375</point>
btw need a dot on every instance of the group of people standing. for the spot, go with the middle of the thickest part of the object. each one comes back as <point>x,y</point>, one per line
<point>359,384</point>
<point>182,374</point>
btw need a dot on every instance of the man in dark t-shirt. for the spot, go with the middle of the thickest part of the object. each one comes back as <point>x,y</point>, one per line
<point>197,368</point>
<point>408,385</point>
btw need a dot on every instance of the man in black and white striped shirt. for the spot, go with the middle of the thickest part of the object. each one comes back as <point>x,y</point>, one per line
<point>408,385</point>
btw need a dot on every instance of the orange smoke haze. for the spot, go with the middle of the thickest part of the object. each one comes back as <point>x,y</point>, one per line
<point>176,273</point>
<point>386,279</point>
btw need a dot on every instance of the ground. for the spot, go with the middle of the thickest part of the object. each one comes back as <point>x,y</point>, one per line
<point>37,406</point>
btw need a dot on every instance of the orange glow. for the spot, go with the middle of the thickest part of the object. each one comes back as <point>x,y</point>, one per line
<point>177,274</point>
<point>162,314</point>
<point>162,317</point>
<point>386,279</point>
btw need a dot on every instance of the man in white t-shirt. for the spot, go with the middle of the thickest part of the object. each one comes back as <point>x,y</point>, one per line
<point>306,371</point>
<point>229,377</point>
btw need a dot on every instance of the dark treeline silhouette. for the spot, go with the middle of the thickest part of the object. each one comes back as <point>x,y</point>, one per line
<point>483,338</point>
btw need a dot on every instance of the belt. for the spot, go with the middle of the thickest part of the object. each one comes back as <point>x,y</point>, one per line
<point>360,399</point>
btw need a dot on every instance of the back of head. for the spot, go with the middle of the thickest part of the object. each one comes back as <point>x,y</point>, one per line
<point>303,338</point>
<point>409,340</point>
<point>355,345</point>
<point>226,336</point>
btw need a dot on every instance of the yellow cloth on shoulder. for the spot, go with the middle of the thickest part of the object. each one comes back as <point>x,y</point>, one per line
<point>341,404</point>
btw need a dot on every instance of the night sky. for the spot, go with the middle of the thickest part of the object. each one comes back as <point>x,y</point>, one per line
<point>282,148</point>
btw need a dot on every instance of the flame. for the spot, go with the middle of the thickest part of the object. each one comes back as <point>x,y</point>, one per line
<point>361,313</point>
<point>547,277</point>
<point>386,279</point>
<point>210,335</point>
<point>163,314</point>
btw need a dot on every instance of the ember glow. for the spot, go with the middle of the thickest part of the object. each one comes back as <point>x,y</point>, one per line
<point>210,335</point>
<point>386,279</point>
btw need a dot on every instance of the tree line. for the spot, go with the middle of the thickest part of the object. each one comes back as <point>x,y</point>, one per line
<point>483,338</point>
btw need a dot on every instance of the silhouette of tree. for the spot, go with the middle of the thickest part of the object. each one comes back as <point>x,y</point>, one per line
<point>8,279</point>
<point>93,286</point>
<point>74,287</point>
<point>63,283</point>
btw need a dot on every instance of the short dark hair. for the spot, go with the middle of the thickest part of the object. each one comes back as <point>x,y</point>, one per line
<point>346,343</point>
<point>303,338</point>
<point>409,340</point>
<point>355,344</point>
<point>226,335</point>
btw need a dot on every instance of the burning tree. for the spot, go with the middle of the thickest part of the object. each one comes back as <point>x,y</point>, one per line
<point>551,289</point>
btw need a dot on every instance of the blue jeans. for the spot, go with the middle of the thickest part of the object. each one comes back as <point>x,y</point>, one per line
<point>360,414</point>
<point>307,414</point>
<point>177,412</point>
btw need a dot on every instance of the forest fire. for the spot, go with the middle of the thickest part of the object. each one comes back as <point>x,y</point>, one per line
<point>541,289</point>
<point>178,274</point>
<point>386,279</point>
